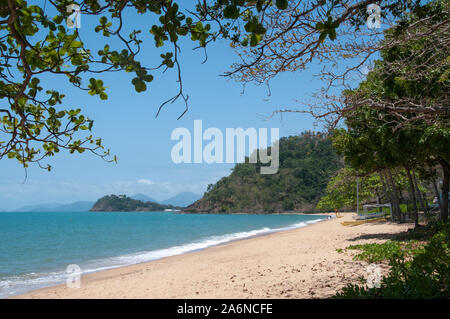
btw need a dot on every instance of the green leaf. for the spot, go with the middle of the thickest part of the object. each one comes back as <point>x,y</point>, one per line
<point>231,12</point>
<point>282,4</point>
<point>332,34</point>
<point>139,85</point>
<point>322,36</point>
<point>76,44</point>
<point>58,19</point>
<point>254,39</point>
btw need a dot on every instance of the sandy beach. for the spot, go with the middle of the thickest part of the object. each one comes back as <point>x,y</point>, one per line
<point>299,263</point>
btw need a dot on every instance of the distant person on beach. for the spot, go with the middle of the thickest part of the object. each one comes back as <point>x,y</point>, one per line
<point>337,213</point>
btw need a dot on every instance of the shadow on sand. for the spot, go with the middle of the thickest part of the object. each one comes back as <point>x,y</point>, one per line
<point>385,236</point>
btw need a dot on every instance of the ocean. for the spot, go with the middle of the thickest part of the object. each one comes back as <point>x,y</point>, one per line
<point>36,248</point>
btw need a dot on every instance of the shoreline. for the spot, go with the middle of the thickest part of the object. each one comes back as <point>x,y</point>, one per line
<point>112,267</point>
<point>224,270</point>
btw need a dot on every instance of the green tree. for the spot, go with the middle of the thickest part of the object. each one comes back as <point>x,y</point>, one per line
<point>398,116</point>
<point>341,189</point>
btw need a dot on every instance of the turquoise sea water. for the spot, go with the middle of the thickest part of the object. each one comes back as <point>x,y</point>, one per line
<point>36,248</point>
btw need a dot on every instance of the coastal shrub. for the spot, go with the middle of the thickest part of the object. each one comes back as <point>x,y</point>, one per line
<point>425,232</point>
<point>426,274</point>
<point>375,253</point>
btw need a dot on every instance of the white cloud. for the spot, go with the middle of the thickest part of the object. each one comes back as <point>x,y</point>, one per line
<point>145,181</point>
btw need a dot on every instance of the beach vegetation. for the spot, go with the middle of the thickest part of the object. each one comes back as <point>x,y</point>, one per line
<point>374,253</point>
<point>417,269</point>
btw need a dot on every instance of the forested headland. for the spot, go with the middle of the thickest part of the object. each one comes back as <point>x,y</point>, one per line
<point>307,162</point>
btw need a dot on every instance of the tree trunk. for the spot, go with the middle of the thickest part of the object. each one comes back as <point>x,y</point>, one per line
<point>387,194</point>
<point>394,192</point>
<point>422,201</point>
<point>413,197</point>
<point>436,193</point>
<point>380,209</point>
<point>444,202</point>
<point>397,188</point>
<point>383,186</point>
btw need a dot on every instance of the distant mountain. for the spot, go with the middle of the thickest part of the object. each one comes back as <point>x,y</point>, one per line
<point>82,206</point>
<point>182,199</point>
<point>122,203</point>
<point>144,198</point>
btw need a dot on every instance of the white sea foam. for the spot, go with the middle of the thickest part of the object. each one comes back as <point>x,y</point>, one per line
<point>20,284</point>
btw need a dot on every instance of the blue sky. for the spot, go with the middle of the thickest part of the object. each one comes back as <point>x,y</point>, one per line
<point>127,124</point>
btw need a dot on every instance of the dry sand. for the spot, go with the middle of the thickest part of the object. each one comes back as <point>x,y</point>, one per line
<point>300,263</point>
